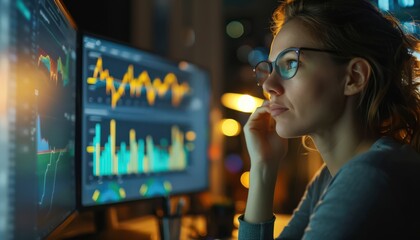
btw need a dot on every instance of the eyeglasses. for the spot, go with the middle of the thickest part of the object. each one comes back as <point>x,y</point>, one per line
<point>286,64</point>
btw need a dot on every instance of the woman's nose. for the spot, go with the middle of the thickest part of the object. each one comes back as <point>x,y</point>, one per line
<point>273,85</point>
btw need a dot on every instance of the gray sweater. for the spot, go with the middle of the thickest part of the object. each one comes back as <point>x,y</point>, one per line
<point>376,195</point>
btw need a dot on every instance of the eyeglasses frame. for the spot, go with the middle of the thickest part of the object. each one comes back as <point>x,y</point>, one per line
<point>297,50</point>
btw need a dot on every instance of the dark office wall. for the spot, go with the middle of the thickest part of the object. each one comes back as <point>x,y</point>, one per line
<point>103,17</point>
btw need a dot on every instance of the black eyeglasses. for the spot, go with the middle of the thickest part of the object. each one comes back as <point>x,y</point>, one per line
<point>286,64</point>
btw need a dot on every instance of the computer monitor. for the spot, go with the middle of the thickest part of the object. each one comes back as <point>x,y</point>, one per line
<point>38,101</point>
<point>144,124</point>
<point>406,11</point>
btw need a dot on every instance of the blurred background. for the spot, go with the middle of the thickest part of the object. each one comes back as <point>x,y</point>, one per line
<point>226,37</point>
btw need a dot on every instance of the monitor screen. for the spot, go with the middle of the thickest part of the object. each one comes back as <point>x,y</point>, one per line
<point>144,124</point>
<point>38,99</point>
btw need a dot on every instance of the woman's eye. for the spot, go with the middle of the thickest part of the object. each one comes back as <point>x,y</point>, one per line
<point>291,64</point>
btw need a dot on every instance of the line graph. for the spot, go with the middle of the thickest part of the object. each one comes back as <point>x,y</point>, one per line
<point>48,165</point>
<point>157,87</point>
<point>52,47</point>
<point>55,68</point>
<point>51,154</point>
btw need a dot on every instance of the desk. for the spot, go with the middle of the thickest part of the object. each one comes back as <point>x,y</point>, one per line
<point>190,224</point>
<point>192,227</point>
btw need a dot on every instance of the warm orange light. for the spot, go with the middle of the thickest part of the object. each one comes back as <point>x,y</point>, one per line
<point>3,90</point>
<point>241,102</point>
<point>245,179</point>
<point>190,136</point>
<point>183,65</point>
<point>230,127</point>
<point>214,152</point>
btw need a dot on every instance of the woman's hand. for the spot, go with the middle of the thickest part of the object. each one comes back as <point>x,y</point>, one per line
<point>266,150</point>
<point>265,147</point>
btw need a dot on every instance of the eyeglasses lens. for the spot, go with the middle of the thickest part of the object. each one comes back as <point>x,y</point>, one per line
<point>262,72</point>
<point>286,66</point>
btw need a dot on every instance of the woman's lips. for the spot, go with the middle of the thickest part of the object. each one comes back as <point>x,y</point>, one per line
<point>276,110</point>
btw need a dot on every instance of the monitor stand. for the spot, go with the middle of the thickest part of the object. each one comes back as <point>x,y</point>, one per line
<point>107,228</point>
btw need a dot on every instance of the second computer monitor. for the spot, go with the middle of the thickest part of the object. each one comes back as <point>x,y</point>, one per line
<point>144,124</point>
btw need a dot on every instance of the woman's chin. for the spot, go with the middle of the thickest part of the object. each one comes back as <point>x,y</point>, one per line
<point>288,132</point>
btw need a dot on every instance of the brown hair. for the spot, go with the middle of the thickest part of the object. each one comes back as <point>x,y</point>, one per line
<point>389,105</point>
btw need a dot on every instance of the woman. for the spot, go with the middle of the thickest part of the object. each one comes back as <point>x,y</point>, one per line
<point>343,74</point>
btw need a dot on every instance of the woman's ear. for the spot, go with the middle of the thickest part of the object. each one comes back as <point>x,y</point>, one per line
<point>358,74</point>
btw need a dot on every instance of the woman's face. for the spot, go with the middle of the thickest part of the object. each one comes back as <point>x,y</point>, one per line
<point>313,100</point>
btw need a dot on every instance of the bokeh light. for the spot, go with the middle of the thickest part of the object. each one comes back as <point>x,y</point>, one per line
<point>235,29</point>
<point>257,55</point>
<point>406,3</point>
<point>230,127</point>
<point>241,102</point>
<point>214,152</point>
<point>190,136</point>
<point>245,179</point>
<point>247,103</point>
<point>190,146</point>
<point>233,163</point>
<point>183,65</point>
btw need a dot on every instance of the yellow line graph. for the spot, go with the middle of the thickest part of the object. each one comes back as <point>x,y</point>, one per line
<point>154,88</point>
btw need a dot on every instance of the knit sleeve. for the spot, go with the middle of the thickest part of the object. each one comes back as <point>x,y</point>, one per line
<point>251,231</point>
<point>300,219</point>
<point>352,206</point>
